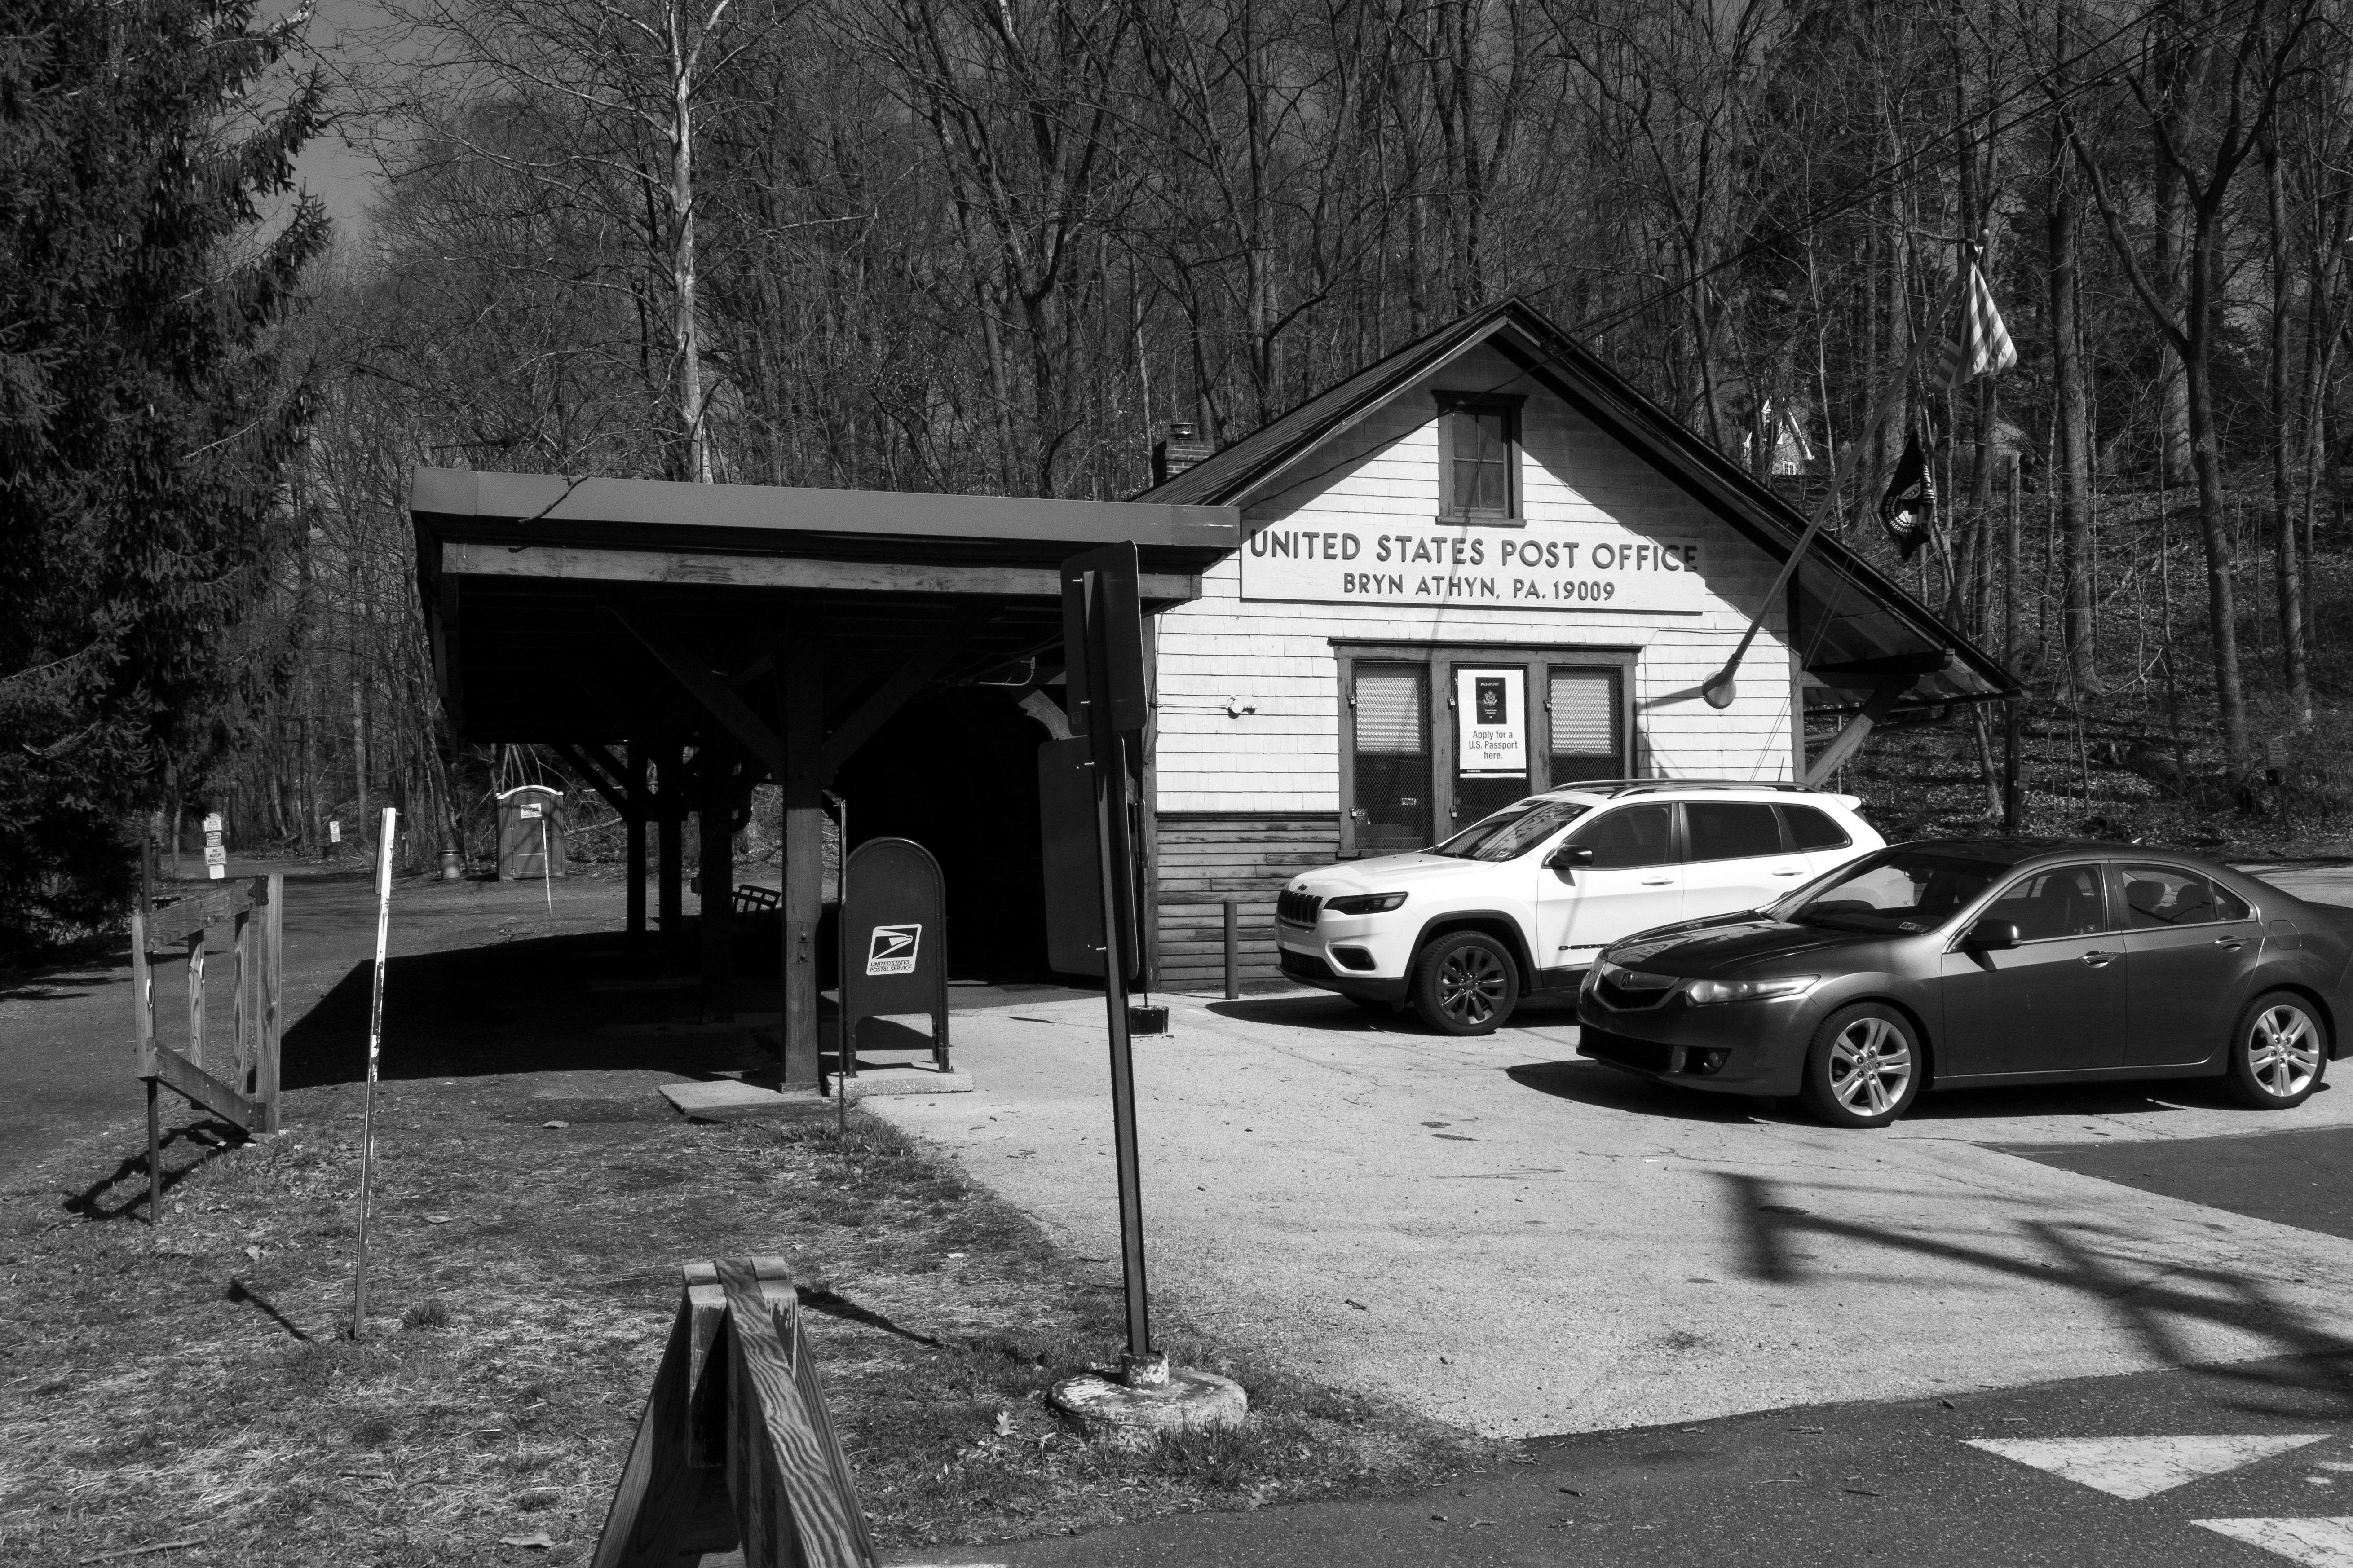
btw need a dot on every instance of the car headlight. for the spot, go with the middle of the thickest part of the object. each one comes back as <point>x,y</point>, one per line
<point>1707,992</point>
<point>1365,903</point>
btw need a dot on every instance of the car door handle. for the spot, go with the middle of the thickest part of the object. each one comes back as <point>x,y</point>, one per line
<point>2096,958</point>
<point>2232,942</point>
<point>1792,871</point>
<point>1657,881</point>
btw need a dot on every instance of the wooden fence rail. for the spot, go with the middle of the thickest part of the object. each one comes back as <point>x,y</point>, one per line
<point>236,1078</point>
<point>736,1447</point>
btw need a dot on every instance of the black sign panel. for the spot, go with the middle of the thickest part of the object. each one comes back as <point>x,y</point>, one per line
<point>1102,608</point>
<point>894,939</point>
<point>1066,812</point>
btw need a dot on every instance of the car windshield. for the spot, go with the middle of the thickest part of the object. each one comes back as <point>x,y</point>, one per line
<point>1513,831</point>
<point>1895,890</point>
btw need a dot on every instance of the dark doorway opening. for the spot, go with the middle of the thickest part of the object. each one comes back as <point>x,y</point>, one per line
<point>957,773</point>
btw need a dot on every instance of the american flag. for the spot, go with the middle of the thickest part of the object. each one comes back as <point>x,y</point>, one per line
<point>1983,347</point>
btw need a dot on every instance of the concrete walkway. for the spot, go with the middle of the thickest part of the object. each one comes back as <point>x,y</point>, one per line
<point>1524,1243</point>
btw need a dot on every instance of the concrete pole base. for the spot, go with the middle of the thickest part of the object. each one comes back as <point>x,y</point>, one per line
<point>1125,1416</point>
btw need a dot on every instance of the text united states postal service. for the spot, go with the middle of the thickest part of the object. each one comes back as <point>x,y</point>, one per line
<point>1556,566</point>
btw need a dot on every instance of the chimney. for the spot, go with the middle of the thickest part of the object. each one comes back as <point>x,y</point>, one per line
<point>1178,450</point>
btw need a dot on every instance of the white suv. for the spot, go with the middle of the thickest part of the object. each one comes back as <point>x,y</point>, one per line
<point>1519,903</point>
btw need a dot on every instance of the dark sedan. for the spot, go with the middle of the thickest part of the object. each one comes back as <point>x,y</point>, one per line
<point>1977,962</point>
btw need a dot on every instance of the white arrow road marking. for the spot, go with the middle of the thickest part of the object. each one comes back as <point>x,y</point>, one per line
<point>2314,1542</point>
<point>2138,1467</point>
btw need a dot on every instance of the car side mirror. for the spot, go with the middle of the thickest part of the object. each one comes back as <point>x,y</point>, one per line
<point>1565,859</point>
<point>1991,935</point>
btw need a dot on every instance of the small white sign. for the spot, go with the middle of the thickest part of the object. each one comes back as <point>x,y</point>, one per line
<point>335,831</point>
<point>1490,723</point>
<point>216,873</point>
<point>215,838</point>
<point>215,856</point>
<point>890,949</point>
<point>530,813</point>
<point>213,823</point>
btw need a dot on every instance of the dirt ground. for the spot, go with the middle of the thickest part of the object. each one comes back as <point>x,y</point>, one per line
<point>195,1381</point>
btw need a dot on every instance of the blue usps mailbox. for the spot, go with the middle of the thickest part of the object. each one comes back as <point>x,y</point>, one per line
<point>894,942</point>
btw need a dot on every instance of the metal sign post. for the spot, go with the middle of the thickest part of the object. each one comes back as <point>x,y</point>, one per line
<point>1102,628</point>
<point>375,1037</point>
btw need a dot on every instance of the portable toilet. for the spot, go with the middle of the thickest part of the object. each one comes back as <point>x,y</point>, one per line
<point>531,831</point>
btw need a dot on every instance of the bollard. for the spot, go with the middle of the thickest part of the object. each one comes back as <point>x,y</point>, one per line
<point>1233,950</point>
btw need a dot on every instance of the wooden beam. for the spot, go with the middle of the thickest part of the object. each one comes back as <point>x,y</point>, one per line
<point>716,696</point>
<point>615,796</point>
<point>178,1072</point>
<point>793,1503</point>
<point>892,694</point>
<point>581,565</point>
<point>1850,740</point>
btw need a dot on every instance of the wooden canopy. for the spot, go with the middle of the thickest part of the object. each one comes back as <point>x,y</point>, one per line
<point>723,633</point>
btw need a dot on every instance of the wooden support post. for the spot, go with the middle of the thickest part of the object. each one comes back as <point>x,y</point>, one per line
<point>1852,735</point>
<point>273,982</point>
<point>1233,950</point>
<point>801,699</point>
<point>143,1028</point>
<point>197,998</point>
<point>715,762</point>
<point>639,808</point>
<point>672,894</point>
<point>241,1060</point>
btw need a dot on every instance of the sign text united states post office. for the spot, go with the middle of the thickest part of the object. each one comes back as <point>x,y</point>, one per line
<point>1554,566</point>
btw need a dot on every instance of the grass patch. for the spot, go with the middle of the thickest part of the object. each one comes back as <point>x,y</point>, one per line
<point>198,1378</point>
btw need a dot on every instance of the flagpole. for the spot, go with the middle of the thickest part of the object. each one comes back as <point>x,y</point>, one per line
<point>1719,689</point>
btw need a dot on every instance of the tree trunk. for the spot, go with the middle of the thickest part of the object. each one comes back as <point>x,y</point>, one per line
<point>2292,660</point>
<point>2222,614</point>
<point>2073,418</point>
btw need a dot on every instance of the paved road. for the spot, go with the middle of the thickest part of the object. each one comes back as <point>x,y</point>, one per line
<point>1899,1482</point>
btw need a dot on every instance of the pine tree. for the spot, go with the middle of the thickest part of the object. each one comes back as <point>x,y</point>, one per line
<point>149,406</point>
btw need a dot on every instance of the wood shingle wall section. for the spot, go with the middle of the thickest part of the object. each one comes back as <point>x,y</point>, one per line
<point>1206,858</point>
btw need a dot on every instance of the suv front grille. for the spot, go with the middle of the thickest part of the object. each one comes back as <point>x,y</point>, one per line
<point>1293,908</point>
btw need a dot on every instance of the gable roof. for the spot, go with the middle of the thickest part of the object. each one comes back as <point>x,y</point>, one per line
<point>1856,628</point>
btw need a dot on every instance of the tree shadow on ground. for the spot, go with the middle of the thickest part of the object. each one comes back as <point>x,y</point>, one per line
<point>1329,1010</point>
<point>66,976</point>
<point>2098,1265</point>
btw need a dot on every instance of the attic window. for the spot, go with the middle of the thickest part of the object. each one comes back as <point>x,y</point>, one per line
<point>1478,459</point>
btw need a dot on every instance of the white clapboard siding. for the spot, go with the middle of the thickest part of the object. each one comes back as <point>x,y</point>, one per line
<point>1276,658</point>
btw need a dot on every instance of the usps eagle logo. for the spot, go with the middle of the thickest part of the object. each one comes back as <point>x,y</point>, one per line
<point>892,950</point>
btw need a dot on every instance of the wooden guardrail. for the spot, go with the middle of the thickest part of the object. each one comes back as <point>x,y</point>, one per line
<point>736,1447</point>
<point>236,1078</point>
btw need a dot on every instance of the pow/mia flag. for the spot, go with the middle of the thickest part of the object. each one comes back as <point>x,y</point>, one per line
<point>1908,509</point>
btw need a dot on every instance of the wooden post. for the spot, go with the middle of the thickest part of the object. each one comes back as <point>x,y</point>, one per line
<point>1233,950</point>
<point>143,1028</point>
<point>801,721</point>
<point>273,976</point>
<point>240,1062</point>
<point>197,998</point>
<point>671,907</point>
<point>715,761</point>
<point>638,807</point>
<point>374,1038</point>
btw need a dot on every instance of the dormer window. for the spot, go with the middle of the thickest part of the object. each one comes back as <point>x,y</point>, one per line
<point>1478,458</point>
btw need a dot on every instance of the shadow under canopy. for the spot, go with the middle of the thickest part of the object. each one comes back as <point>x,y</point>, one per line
<point>676,644</point>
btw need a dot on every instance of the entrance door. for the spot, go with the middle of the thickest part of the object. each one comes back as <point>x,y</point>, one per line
<point>2189,945</point>
<point>1634,883</point>
<point>1393,777</point>
<point>1491,740</point>
<point>2055,1003</point>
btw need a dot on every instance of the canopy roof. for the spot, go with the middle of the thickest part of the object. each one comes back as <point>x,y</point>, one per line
<point>561,609</point>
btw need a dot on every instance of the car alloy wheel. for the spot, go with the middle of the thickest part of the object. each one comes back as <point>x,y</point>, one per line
<point>1864,1068</point>
<point>1466,985</point>
<point>2278,1054</point>
<point>1871,1066</point>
